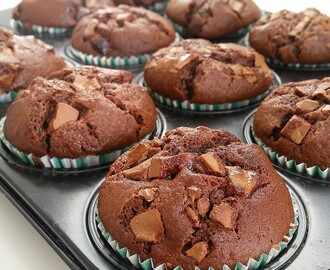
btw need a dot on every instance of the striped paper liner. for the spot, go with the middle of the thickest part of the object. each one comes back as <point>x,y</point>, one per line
<point>252,263</point>
<point>42,31</point>
<point>7,97</point>
<point>61,163</point>
<point>291,164</point>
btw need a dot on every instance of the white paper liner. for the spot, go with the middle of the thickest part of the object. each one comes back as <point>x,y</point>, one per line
<point>42,31</point>
<point>252,263</point>
<point>62,163</point>
<point>291,164</point>
<point>111,62</point>
<point>200,107</point>
<point>8,97</point>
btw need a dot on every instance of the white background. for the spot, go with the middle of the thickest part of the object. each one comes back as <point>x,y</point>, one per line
<point>21,246</point>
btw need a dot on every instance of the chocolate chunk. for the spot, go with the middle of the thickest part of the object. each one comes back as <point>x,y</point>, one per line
<point>148,226</point>
<point>325,109</point>
<point>193,216</point>
<point>224,215</point>
<point>185,59</point>
<point>307,105</point>
<point>148,194</point>
<point>90,29</point>
<point>64,113</point>
<point>138,154</point>
<point>82,83</point>
<point>112,23</point>
<point>194,193</point>
<point>165,167</point>
<point>300,26</point>
<point>237,6</point>
<point>6,80</point>
<point>139,172</point>
<point>213,163</point>
<point>242,179</point>
<point>296,129</point>
<point>198,251</point>
<point>203,206</point>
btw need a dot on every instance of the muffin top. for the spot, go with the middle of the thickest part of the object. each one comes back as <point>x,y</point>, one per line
<point>78,112</point>
<point>64,13</point>
<point>22,58</point>
<point>202,72</point>
<point>122,31</point>
<point>293,37</point>
<point>197,197</point>
<point>213,18</point>
<point>295,121</point>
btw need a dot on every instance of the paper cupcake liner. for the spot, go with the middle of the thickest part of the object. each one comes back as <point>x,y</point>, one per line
<point>8,97</point>
<point>61,163</point>
<point>112,62</point>
<point>291,164</point>
<point>252,263</point>
<point>41,31</point>
<point>200,107</point>
<point>279,64</point>
<point>158,7</point>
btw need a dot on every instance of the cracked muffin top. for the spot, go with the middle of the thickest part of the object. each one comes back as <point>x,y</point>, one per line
<point>64,13</point>
<point>78,112</point>
<point>122,31</point>
<point>197,197</point>
<point>295,121</point>
<point>202,72</point>
<point>293,37</point>
<point>20,60</point>
<point>212,18</point>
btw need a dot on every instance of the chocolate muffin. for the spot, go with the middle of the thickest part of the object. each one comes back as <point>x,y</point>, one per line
<point>202,72</point>
<point>293,37</point>
<point>24,58</point>
<point>122,31</point>
<point>295,121</point>
<point>213,18</point>
<point>79,111</point>
<point>197,197</point>
<point>50,13</point>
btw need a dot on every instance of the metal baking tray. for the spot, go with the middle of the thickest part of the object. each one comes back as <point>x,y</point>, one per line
<point>59,205</point>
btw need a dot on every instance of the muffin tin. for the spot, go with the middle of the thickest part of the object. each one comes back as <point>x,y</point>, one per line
<point>59,205</point>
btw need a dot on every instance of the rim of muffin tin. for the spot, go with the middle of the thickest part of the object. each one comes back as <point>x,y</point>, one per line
<point>131,62</point>
<point>281,162</point>
<point>291,66</point>
<point>9,157</point>
<point>283,259</point>
<point>41,31</point>
<point>198,108</point>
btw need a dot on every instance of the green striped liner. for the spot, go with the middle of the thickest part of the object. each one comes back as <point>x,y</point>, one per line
<point>252,263</point>
<point>61,163</point>
<point>112,62</point>
<point>8,97</point>
<point>279,64</point>
<point>158,7</point>
<point>42,31</point>
<point>290,164</point>
<point>199,107</point>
